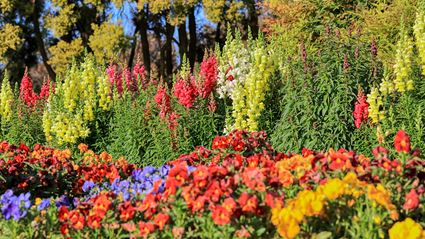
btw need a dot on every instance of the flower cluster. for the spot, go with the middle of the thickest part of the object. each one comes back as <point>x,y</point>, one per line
<point>235,64</point>
<point>249,95</point>
<point>313,203</point>
<point>360,112</point>
<point>73,104</point>
<point>43,171</point>
<point>121,198</point>
<point>14,207</point>
<point>133,78</point>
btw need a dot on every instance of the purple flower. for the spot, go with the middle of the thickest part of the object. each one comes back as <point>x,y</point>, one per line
<point>87,186</point>
<point>9,210</point>
<point>14,206</point>
<point>137,175</point>
<point>62,201</point>
<point>43,204</point>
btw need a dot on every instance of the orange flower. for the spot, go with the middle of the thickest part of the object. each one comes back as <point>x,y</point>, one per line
<point>338,160</point>
<point>146,228</point>
<point>160,220</point>
<point>101,205</point>
<point>83,147</point>
<point>286,178</point>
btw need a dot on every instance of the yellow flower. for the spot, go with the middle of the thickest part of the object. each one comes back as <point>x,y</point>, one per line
<point>37,201</point>
<point>333,189</point>
<point>407,229</point>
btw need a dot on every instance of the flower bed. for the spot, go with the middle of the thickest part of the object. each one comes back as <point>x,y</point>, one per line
<point>241,188</point>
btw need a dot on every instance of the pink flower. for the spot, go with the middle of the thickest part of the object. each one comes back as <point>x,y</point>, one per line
<point>139,73</point>
<point>412,200</point>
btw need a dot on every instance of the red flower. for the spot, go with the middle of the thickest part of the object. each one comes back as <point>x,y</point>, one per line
<point>160,220</point>
<point>45,89</point>
<point>26,92</point>
<point>250,205</point>
<point>220,215</point>
<point>380,152</point>
<point>201,173</point>
<point>412,200</point>
<point>214,192</point>
<point>179,173</point>
<point>162,99</point>
<point>269,200</point>
<point>146,228</point>
<point>209,69</point>
<point>63,213</point>
<point>185,91</point>
<point>339,160</point>
<point>402,142</point>
<point>126,211</point>
<point>76,219</point>
<point>64,229</point>
<point>254,179</point>
<point>360,112</point>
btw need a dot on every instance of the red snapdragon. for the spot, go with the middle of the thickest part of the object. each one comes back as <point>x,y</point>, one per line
<point>209,69</point>
<point>360,112</point>
<point>27,93</point>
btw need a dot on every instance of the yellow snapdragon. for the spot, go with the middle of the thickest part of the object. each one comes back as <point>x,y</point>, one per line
<point>419,31</point>
<point>6,99</point>
<point>248,96</point>
<point>103,92</point>
<point>72,106</point>
<point>375,102</point>
<point>402,68</point>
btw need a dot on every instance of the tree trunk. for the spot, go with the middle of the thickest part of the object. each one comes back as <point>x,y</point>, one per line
<point>253,19</point>
<point>169,30</point>
<point>39,40</point>
<point>192,34</point>
<point>144,39</point>
<point>133,48</point>
<point>161,64</point>
<point>218,35</point>
<point>182,40</point>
